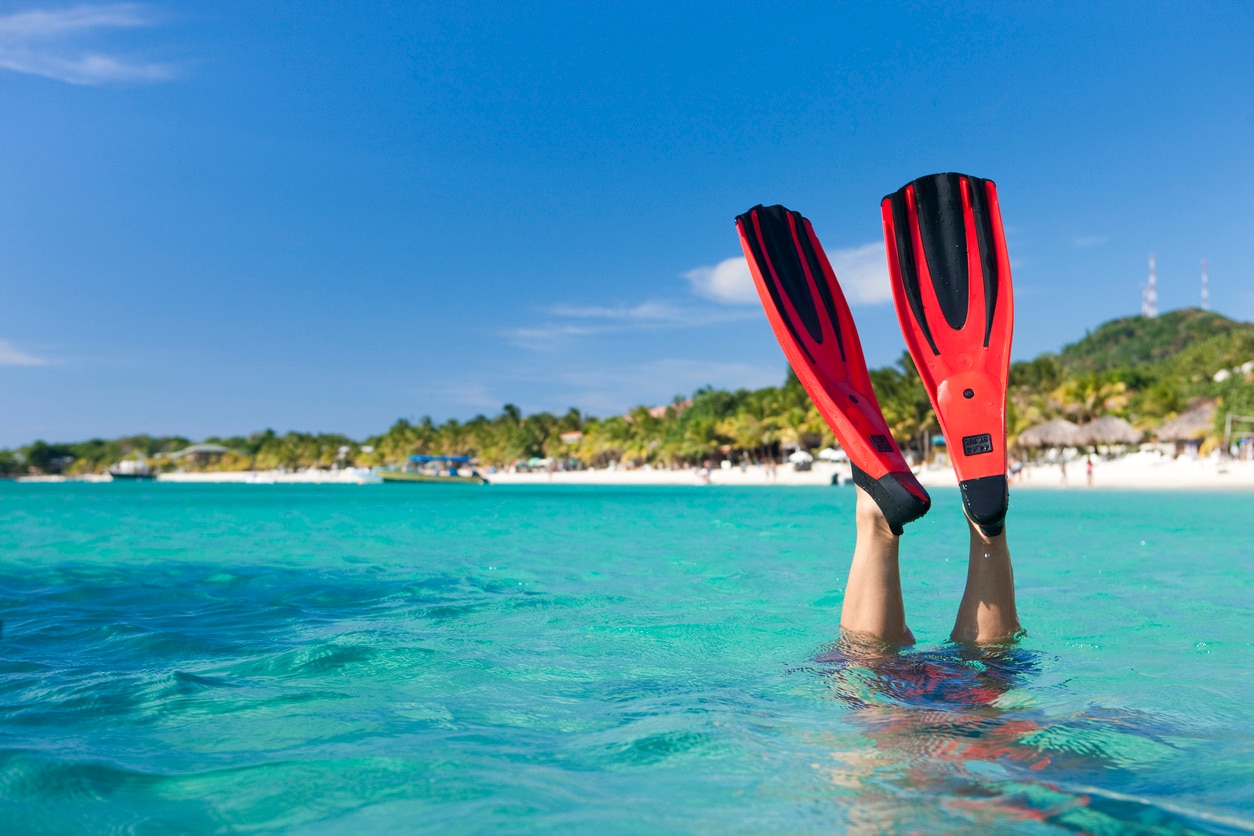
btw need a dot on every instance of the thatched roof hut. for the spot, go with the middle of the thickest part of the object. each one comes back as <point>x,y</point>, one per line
<point>1108,430</point>
<point>1056,433</point>
<point>1193,425</point>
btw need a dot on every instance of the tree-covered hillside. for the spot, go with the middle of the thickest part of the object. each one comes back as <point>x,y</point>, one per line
<point>1136,341</point>
<point>1143,370</point>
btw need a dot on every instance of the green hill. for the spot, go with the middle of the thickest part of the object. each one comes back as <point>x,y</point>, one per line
<point>1136,342</point>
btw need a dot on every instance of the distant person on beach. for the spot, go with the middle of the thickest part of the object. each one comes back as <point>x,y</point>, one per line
<point>1062,468</point>
<point>1088,470</point>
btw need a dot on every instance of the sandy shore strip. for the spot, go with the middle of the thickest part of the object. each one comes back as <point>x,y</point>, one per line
<point>1147,471</point>
<point>1136,471</point>
<point>347,476</point>
<point>822,474</point>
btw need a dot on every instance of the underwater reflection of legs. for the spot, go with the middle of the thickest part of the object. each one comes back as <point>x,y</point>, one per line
<point>955,678</point>
<point>927,717</point>
<point>948,747</point>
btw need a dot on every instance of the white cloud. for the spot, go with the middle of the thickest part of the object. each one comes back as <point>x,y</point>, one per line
<point>600,389</point>
<point>47,42</point>
<point>862,272</point>
<point>546,336</point>
<point>11,355</point>
<point>575,321</point>
<point>614,391</point>
<point>728,281</point>
<point>644,312</point>
<point>455,395</point>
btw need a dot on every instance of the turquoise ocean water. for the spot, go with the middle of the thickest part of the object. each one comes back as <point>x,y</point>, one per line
<point>206,659</point>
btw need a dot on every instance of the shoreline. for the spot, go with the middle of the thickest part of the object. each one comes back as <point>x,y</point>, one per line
<point>1133,472</point>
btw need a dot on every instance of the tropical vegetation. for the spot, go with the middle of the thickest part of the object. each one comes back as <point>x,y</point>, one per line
<point>1146,371</point>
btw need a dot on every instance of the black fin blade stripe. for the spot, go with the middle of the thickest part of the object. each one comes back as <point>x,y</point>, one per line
<point>820,279</point>
<point>942,227</point>
<point>777,236</point>
<point>988,252</point>
<point>759,249</point>
<point>905,263</point>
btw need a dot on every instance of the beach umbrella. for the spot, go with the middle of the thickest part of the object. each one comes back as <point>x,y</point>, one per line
<point>1108,430</point>
<point>831,454</point>
<point>800,457</point>
<point>1191,426</point>
<point>1056,433</point>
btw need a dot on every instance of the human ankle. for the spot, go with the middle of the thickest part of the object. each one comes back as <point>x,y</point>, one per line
<point>870,519</point>
<point>978,535</point>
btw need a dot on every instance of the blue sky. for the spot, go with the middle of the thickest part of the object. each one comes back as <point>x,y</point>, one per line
<point>220,217</point>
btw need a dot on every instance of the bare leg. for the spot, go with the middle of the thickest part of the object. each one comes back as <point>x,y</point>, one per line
<point>873,606</point>
<point>987,612</point>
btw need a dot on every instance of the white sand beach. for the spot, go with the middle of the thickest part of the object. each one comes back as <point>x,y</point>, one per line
<point>1138,471</point>
<point>822,474</point>
<point>346,476</point>
<point>1147,471</point>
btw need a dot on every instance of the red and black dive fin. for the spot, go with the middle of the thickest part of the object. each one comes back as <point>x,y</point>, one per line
<point>951,285</point>
<point>811,320</point>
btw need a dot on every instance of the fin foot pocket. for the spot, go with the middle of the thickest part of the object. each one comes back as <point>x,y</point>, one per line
<point>900,496</point>
<point>987,499</point>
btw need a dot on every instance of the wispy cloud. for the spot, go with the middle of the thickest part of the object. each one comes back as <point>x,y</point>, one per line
<point>613,391</point>
<point>51,43</point>
<point>568,322</point>
<point>438,395</point>
<point>644,312</point>
<point>1089,240</point>
<point>598,389</point>
<point>11,355</point>
<point>549,335</point>
<point>862,272</point>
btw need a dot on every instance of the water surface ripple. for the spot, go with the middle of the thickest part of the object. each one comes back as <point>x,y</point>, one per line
<point>206,659</point>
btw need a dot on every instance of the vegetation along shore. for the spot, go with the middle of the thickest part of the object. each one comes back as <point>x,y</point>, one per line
<point>1147,371</point>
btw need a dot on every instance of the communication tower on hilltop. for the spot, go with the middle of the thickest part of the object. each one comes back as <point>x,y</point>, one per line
<point>1149,293</point>
<point>1205,288</point>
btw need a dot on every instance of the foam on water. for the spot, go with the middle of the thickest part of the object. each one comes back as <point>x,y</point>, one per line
<point>350,659</point>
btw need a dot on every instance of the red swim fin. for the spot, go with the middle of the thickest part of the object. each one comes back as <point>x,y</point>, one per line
<point>811,320</point>
<point>951,285</point>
